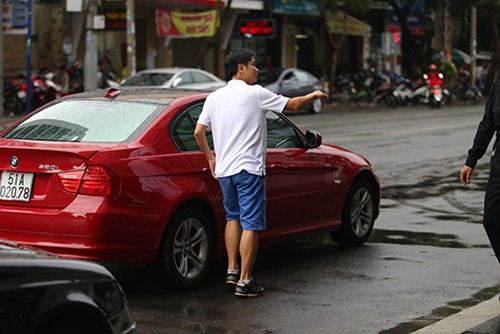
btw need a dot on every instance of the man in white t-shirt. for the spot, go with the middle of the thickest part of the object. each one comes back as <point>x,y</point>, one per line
<point>236,115</point>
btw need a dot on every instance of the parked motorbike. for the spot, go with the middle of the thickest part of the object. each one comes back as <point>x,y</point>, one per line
<point>13,97</point>
<point>374,89</point>
<point>343,90</point>
<point>465,92</point>
<point>45,88</point>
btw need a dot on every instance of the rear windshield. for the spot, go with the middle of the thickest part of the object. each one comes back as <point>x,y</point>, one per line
<point>87,121</point>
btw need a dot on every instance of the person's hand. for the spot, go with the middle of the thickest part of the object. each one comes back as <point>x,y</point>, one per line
<point>211,164</point>
<point>465,174</point>
<point>320,95</point>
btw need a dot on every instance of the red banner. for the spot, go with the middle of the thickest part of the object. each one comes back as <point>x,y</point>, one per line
<point>186,25</point>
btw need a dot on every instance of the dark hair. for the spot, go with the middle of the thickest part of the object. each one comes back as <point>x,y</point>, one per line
<point>236,57</point>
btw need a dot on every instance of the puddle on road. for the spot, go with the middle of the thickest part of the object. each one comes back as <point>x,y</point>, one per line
<point>443,312</point>
<point>430,200</point>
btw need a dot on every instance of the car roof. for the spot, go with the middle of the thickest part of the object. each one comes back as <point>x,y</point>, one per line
<point>172,70</point>
<point>140,94</point>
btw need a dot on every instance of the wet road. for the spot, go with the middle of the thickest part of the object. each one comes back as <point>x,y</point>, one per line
<point>427,258</point>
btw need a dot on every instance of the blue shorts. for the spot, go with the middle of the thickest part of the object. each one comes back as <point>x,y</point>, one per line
<point>245,200</point>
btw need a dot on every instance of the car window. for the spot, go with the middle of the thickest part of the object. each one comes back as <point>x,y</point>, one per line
<point>87,121</point>
<point>148,79</point>
<point>183,129</point>
<point>183,79</point>
<point>301,76</point>
<point>201,78</point>
<point>290,76</point>
<point>280,134</point>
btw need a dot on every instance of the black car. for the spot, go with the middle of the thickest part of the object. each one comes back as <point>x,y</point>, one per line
<point>43,294</point>
<point>292,82</point>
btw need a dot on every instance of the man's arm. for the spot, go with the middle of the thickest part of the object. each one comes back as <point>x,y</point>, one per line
<point>201,140</point>
<point>299,102</point>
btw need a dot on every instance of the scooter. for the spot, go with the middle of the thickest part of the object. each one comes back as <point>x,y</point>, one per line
<point>436,96</point>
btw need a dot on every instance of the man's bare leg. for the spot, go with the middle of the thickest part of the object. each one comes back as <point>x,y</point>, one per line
<point>249,246</point>
<point>232,237</point>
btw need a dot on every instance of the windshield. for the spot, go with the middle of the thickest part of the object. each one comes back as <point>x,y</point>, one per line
<point>87,121</point>
<point>148,79</point>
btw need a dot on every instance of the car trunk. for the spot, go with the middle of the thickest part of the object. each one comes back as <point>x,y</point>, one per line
<point>31,173</point>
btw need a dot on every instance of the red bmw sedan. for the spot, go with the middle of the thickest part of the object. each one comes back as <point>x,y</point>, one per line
<point>116,176</point>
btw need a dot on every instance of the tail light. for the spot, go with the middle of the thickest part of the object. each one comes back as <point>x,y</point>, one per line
<point>95,181</point>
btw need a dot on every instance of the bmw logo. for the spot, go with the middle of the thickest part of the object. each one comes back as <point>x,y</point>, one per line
<point>14,161</point>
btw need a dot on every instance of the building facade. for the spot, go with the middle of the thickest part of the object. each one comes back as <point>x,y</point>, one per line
<point>283,34</point>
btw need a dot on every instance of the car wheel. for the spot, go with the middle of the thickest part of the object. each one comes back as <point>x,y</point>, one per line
<point>187,249</point>
<point>316,106</point>
<point>358,216</point>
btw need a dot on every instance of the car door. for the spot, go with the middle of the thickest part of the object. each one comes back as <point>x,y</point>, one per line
<point>300,179</point>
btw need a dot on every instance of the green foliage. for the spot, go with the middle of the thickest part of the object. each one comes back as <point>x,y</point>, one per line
<point>449,70</point>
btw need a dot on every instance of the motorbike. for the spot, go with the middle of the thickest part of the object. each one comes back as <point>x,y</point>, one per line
<point>343,90</point>
<point>13,97</point>
<point>45,88</point>
<point>436,96</point>
<point>467,93</point>
<point>374,89</point>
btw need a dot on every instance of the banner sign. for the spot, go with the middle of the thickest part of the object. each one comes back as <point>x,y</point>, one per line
<point>416,19</point>
<point>185,25</point>
<point>15,17</point>
<point>298,7</point>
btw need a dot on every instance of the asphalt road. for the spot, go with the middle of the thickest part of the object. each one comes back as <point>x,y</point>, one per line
<point>427,259</point>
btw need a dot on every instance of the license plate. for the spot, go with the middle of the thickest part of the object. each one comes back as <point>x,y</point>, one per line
<point>21,94</point>
<point>16,186</point>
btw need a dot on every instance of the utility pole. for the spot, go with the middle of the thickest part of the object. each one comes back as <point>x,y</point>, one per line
<point>90,65</point>
<point>131,48</point>
<point>473,35</point>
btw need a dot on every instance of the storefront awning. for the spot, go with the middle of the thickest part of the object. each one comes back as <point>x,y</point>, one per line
<point>342,23</point>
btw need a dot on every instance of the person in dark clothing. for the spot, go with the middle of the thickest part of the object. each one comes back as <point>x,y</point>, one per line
<point>489,125</point>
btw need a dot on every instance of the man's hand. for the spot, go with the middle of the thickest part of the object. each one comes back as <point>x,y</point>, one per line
<point>320,95</point>
<point>465,174</point>
<point>211,163</point>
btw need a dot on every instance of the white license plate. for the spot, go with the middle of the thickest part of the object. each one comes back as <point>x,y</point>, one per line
<point>16,186</point>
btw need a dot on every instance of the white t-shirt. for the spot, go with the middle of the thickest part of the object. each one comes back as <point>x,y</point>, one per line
<point>236,114</point>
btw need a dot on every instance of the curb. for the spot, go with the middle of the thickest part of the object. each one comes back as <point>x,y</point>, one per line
<point>465,320</point>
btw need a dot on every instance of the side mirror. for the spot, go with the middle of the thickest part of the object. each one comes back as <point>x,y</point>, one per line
<point>313,139</point>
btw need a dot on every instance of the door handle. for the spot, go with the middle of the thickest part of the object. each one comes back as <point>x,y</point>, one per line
<point>278,166</point>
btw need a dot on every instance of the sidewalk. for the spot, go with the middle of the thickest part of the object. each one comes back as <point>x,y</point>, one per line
<point>483,318</point>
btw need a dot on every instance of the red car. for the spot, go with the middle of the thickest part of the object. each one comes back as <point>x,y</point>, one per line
<point>116,176</point>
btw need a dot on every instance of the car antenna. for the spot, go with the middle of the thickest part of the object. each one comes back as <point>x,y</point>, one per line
<point>112,92</point>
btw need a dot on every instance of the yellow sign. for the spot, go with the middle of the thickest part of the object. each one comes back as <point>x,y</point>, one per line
<point>184,25</point>
<point>342,23</point>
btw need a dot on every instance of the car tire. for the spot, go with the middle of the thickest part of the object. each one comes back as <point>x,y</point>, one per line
<point>316,106</point>
<point>187,248</point>
<point>358,216</point>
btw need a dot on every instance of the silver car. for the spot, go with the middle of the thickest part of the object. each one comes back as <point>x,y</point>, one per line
<point>175,77</point>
